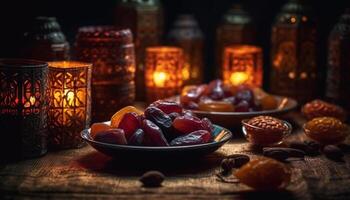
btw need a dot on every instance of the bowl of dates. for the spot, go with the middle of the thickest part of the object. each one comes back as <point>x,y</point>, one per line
<point>163,129</point>
<point>228,105</point>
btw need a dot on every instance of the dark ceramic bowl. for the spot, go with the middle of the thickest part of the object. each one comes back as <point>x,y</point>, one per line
<point>220,135</point>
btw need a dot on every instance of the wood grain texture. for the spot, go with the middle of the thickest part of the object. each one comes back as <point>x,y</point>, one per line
<point>87,174</point>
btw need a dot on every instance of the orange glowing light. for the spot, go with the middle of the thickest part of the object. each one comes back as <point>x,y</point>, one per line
<point>186,72</point>
<point>242,64</point>
<point>32,100</point>
<point>69,82</point>
<point>69,96</point>
<point>159,78</point>
<point>164,72</point>
<point>238,78</point>
<point>293,20</point>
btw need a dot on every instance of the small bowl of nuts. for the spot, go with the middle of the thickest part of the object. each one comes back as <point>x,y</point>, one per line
<point>265,130</point>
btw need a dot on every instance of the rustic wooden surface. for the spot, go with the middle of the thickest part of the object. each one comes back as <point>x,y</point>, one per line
<point>87,174</point>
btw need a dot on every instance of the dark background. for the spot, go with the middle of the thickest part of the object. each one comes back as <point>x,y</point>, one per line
<point>72,14</point>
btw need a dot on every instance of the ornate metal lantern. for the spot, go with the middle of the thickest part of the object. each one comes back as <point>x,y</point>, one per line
<point>338,77</point>
<point>111,50</point>
<point>70,103</point>
<point>293,52</point>
<point>243,65</point>
<point>237,27</point>
<point>23,108</point>
<point>187,35</point>
<point>44,40</point>
<point>144,19</point>
<point>163,72</point>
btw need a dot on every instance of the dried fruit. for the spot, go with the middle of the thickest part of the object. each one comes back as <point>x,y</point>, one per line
<point>157,116</point>
<point>216,106</point>
<point>152,179</point>
<point>265,130</point>
<point>192,93</point>
<point>196,137</point>
<point>264,174</point>
<point>239,159</point>
<point>167,106</point>
<point>187,124</point>
<point>344,147</point>
<point>173,115</point>
<point>189,113</point>
<point>326,130</point>
<point>117,117</point>
<point>245,95</point>
<point>98,127</point>
<point>333,152</point>
<point>111,136</point>
<point>310,148</point>
<point>276,154</point>
<point>268,102</point>
<point>232,100</point>
<point>130,122</point>
<point>137,138</point>
<point>153,134</point>
<point>227,164</point>
<point>319,108</point>
<point>280,153</point>
<point>215,90</point>
<point>207,125</point>
<point>242,106</point>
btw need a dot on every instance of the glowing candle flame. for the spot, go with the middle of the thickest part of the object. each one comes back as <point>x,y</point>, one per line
<point>159,78</point>
<point>69,97</point>
<point>186,72</point>
<point>238,78</point>
<point>32,100</point>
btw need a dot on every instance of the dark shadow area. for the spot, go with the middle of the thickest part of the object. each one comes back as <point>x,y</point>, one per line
<point>137,166</point>
<point>15,15</point>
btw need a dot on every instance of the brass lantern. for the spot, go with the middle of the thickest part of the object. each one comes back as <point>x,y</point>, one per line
<point>293,52</point>
<point>338,76</point>
<point>144,19</point>
<point>70,103</point>
<point>237,27</point>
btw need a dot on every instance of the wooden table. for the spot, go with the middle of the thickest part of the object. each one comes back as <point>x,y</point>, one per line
<point>87,174</point>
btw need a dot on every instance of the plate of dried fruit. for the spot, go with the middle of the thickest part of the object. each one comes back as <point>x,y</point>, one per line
<point>164,129</point>
<point>228,105</point>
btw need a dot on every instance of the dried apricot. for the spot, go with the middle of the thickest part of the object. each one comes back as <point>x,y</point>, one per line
<point>216,106</point>
<point>117,117</point>
<point>264,174</point>
<point>99,127</point>
<point>326,130</point>
<point>319,108</point>
<point>265,130</point>
<point>268,102</point>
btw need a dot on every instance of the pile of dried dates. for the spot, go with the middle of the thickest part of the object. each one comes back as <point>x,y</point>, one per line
<point>218,97</point>
<point>163,123</point>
